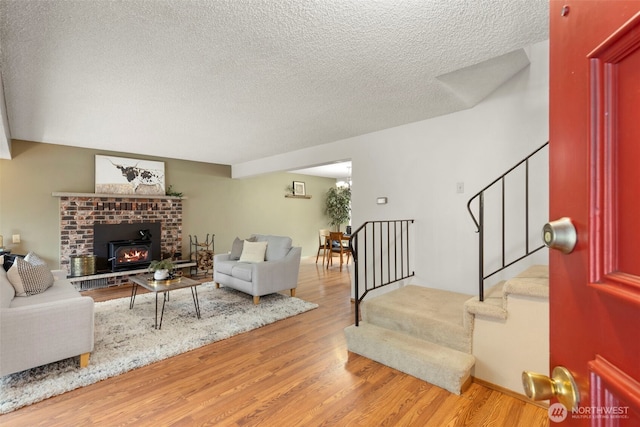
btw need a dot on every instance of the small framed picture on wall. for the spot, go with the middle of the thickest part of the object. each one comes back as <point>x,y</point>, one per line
<point>299,188</point>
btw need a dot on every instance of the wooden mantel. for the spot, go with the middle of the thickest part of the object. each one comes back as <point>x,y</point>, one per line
<point>123,196</point>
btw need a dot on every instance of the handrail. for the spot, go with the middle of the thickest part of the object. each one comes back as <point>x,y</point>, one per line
<point>385,236</point>
<point>479,222</point>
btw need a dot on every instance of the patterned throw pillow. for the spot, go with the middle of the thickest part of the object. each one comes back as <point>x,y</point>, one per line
<point>34,259</point>
<point>28,278</point>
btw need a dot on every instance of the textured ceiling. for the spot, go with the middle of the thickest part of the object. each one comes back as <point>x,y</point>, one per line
<point>232,81</point>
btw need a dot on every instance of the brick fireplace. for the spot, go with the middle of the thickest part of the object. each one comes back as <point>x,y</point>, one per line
<point>80,212</point>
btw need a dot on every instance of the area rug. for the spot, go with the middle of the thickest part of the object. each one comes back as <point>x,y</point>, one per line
<point>125,339</point>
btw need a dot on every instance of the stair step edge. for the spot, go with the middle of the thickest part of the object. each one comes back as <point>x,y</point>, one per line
<point>528,286</point>
<point>418,311</point>
<point>490,307</point>
<point>436,364</point>
<point>441,333</point>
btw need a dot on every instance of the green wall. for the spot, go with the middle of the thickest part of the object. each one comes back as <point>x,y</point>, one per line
<point>214,202</point>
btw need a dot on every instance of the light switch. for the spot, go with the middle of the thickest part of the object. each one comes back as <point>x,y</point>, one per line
<point>16,238</point>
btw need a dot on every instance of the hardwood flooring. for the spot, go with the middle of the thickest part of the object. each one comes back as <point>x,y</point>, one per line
<point>295,372</point>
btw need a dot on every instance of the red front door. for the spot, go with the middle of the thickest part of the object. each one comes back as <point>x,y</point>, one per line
<point>595,180</point>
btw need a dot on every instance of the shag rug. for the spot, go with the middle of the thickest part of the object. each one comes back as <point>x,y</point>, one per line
<point>125,339</point>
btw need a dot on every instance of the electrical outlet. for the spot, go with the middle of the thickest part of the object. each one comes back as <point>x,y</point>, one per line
<point>460,187</point>
<point>16,238</point>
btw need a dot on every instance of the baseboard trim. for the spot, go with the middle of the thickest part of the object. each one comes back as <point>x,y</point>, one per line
<point>466,385</point>
<point>511,393</point>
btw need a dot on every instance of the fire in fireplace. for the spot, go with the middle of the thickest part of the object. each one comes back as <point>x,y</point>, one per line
<point>129,254</point>
<point>132,255</point>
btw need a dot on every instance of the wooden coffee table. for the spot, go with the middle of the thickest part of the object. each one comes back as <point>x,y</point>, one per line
<point>164,287</point>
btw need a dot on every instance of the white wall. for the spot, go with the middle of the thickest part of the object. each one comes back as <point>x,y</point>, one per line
<point>505,348</point>
<point>418,165</point>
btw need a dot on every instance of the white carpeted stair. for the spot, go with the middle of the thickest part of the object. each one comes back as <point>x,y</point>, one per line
<point>420,331</point>
<point>532,282</point>
<point>438,336</point>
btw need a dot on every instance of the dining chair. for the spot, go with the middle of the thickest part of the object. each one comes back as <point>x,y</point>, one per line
<point>323,244</point>
<point>337,246</point>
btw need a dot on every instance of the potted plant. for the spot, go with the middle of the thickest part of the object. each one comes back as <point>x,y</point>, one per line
<point>338,206</point>
<point>161,268</point>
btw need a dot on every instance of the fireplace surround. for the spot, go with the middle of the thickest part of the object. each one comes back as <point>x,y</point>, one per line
<point>80,213</point>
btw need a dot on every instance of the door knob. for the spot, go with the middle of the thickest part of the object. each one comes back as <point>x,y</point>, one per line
<point>561,385</point>
<point>560,234</point>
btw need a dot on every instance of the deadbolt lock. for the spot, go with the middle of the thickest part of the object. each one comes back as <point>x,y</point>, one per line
<point>560,234</point>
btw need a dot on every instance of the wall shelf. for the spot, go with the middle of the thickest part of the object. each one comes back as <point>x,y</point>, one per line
<point>293,196</point>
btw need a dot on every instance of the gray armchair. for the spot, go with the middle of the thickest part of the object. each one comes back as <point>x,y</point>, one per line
<point>278,271</point>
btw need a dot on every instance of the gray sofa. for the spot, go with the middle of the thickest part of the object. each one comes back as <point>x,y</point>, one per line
<point>43,328</point>
<point>278,271</point>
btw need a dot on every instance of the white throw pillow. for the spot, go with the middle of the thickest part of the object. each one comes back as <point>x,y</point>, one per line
<point>29,279</point>
<point>236,248</point>
<point>253,251</point>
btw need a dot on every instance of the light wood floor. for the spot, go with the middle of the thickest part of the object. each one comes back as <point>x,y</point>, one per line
<point>295,372</point>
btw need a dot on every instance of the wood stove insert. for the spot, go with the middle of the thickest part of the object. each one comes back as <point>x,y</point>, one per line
<point>104,234</point>
<point>129,254</point>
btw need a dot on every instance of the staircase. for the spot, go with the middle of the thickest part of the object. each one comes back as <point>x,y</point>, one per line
<point>444,337</point>
<point>420,331</point>
<point>439,336</point>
